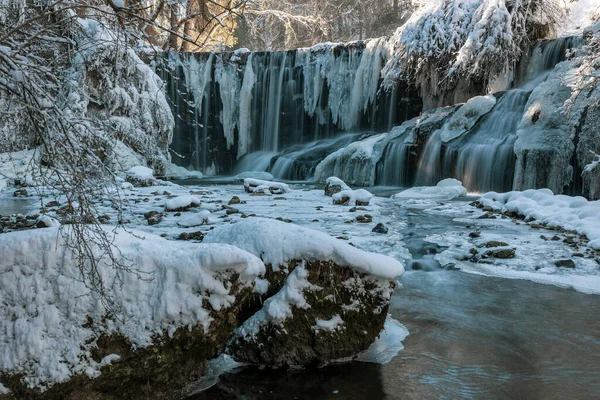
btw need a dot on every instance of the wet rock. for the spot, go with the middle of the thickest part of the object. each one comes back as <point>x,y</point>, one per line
<point>279,198</point>
<point>153,217</point>
<point>475,234</point>
<point>493,243</point>
<point>52,203</point>
<point>487,209</point>
<point>231,211</point>
<point>565,263</point>
<point>196,236</point>
<point>356,303</point>
<point>380,228</point>
<point>287,220</point>
<point>499,253</point>
<point>364,219</point>
<point>20,193</point>
<point>488,215</point>
<point>330,190</point>
<point>234,200</point>
<point>555,238</point>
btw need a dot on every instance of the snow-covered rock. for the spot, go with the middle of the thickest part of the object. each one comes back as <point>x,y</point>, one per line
<point>334,185</point>
<point>571,213</point>
<point>140,176</point>
<point>358,197</point>
<point>250,185</point>
<point>466,116</point>
<point>169,313</point>
<point>446,189</point>
<point>314,280</point>
<point>182,203</point>
<point>196,219</point>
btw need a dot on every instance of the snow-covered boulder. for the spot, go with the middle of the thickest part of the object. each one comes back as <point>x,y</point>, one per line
<point>149,334</point>
<point>446,189</point>
<point>140,176</point>
<point>182,203</point>
<point>196,219</point>
<point>334,185</point>
<point>325,299</point>
<point>359,197</point>
<point>250,185</point>
<point>466,116</point>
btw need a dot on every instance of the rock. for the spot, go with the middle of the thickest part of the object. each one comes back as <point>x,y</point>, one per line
<point>555,238</point>
<point>565,263</point>
<point>20,193</point>
<point>52,203</point>
<point>487,209</point>
<point>234,200</point>
<point>265,187</point>
<point>232,211</point>
<point>499,253</point>
<point>182,203</point>
<point>475,234</point>
<point>358,307</point>
<point>325,283</point>
<point>153,217</point>
<point>488,215</point>
<point>380,228</point>
<point>196,236</point>
<point>334,185</point>
<point>493,243</point>
<point>140,176</point>
<point>364,219</point>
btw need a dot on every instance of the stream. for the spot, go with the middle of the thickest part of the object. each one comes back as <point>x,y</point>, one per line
<point>471,337</point>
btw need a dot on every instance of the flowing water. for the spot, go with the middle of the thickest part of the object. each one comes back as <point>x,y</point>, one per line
<point>471,337</point>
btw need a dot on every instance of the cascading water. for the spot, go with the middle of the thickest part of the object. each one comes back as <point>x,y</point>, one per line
<point>482,157</point>
<point>231,104</point>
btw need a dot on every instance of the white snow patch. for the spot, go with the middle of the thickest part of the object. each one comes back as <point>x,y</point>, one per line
<point>4,389</point>
<point>446,189</point>
<point>330,325</point>
<point>48,221</point>
<point>278,242</point>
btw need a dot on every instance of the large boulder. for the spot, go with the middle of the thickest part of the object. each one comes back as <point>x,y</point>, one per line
<point>325,299</point>
<point>168,308</point>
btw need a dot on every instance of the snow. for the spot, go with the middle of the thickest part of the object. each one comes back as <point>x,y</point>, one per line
<point>141,173</point>
<point>446,189</point>
<point>571,213</point>
<point>275,187</point>
<point>466,117</point>
<point>360,195</point>
<point>196,219</point>
<point>46,306</point>
<point>181,202</point>
<point>175,171</point>
<point>277,243</point>
<point>3,389</point>
<point>387,345</point>
<point>278,307</point>
<point>581,13</point>
<point>335,181</point>
<point>260,175</point>
<point>330,325</point>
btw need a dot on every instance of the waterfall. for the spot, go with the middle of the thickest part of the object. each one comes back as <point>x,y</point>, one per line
<point>230,104</point>
<point>482,156</point>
